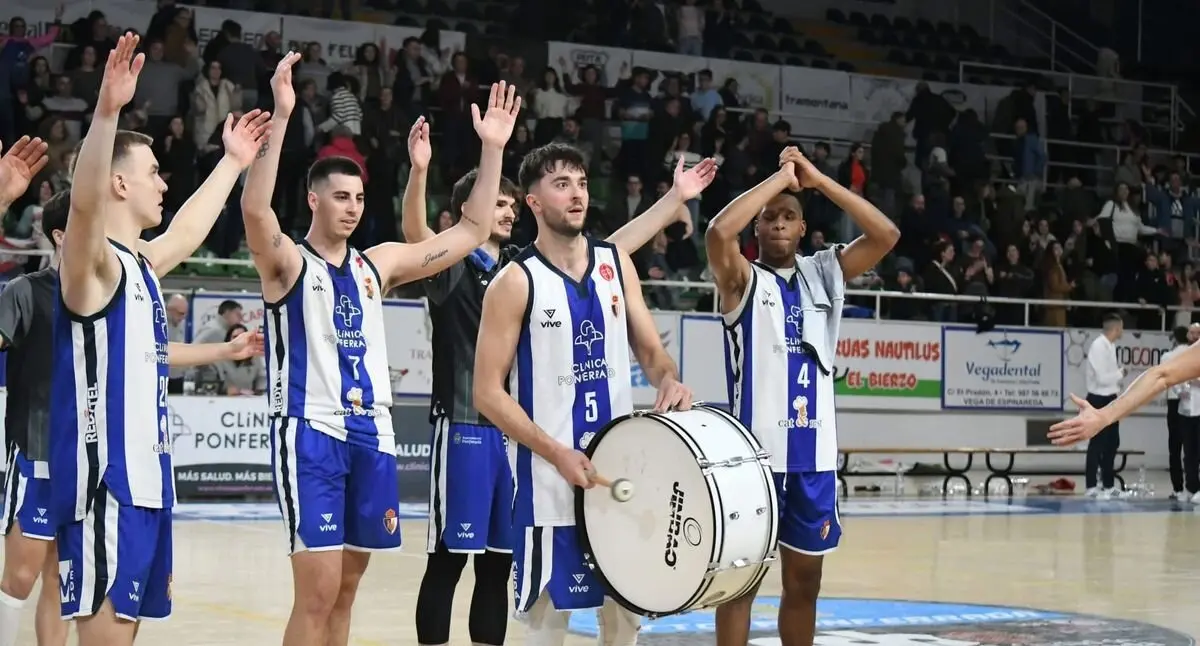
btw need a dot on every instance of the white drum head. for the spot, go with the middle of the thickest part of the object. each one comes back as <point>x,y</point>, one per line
<point>653,551</point>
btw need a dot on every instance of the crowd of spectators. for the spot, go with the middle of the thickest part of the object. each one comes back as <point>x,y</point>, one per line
<point>980,214</point>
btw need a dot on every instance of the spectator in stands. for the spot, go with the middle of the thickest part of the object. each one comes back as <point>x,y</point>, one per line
<point>371,73</point>
<point>15,51</point>
<point>705,98</point>
<point>888,160</point>
<point>572,135</point>
<point>457,91</point>
<point>1077,202</point>
<point>903,309</point>
<point>966,151</point>
<point>1151,288</point>
<point>1127,226</point>
<point>341,144</point>
<point>176,153</point>
<point>243,376</point>
<point>1029,163</point>
<point>1134,169</point>
<point>656,267</point>
<point>54,132</point>
<point>177,310</point>
<point>1174,203</point>
<point>690,29</point>
<point>64,105</point>
<point>550,107</point>
<point>92,30</point>
<point>413,85</point>
<point>158,88</point>
<point>444,221</point>
<point>1055,286</point>
<point>977,272</point>
<point>344,108</point>
<point>180,44</point>
<point>310,68</point>
<point>721,25</point>
<point>229,315</point>
<point>1014,279</point>
<point>929,113</point>
<point>943,277</point>
<point>85,80</point>
<point>213,98</point>
<point>241,64</point>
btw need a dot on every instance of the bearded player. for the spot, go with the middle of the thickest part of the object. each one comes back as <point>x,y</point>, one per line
<point>782,314</point>
<point>567,305</point>
<point>333,448</point>
<point>471,483</point>
<point>112,479</point>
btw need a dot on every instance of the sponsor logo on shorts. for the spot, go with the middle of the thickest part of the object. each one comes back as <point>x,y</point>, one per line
<point>329,525</point>
<point>66,582</point>
<point>579,587</point>
<point>134,596</point>
<point>465,531</point>
<point>390,522</point>
<point>41,519</point>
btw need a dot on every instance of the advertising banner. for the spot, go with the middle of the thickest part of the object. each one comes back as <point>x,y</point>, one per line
<point>612,62</point>
<point>814,93</point>
<point>757,83</point>
<point>1004,369</point>
<point>1136,352</point>
<point>221,446</point>
<point>339,39</point>
<point>414,435</point>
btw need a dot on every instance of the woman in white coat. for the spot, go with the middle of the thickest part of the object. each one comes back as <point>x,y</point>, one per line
<point>212,100</point>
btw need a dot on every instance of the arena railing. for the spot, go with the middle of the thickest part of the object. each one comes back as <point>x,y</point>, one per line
<point>1033,28</point>
<point>1135,95</point>
<point>877,298</point>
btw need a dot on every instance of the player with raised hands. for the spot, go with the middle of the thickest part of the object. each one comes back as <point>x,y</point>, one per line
<point>333,448</point>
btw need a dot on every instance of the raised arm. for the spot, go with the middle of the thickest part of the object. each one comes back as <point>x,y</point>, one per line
<point>275,256</point>
<point>667,210</point>
<point>647,345</point>
<point>879,233</point>
<point>730,269</point>
<point>195,219</point>
<point>414,217</point>
<point>243,346</point>
<point>500,325</point>
<point>401,263</point>
<point>89,270</point>
<point>18,167</point>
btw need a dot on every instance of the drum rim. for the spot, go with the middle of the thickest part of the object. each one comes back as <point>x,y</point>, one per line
<point>585,543</point>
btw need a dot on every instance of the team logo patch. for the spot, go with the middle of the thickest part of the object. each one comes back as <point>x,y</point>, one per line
<point>606,271</point>
<point>825,530</point>
<point>390,522</point>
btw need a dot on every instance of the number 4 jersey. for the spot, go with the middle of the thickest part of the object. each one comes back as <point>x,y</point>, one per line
<point>327,359</point>
<point>778,387</point>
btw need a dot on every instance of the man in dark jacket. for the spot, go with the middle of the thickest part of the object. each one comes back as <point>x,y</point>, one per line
<point>888,162</point>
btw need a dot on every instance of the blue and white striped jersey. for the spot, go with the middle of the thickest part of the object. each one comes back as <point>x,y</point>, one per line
<point>570,375</point>
<point>327,358</point>
<point>779,346</point>
<point>109,387</point>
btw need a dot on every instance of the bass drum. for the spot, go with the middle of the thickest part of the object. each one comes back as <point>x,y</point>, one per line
<point>701,527</point>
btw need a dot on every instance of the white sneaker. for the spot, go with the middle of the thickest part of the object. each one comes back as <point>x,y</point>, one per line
<point>1104,494</point>
<point>1092,492</point>
<point>1196,498</point>
<point>1177,495</point>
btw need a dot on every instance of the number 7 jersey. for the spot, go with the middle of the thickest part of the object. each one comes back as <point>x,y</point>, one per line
<point>778,388</point>
<point>326,351</point>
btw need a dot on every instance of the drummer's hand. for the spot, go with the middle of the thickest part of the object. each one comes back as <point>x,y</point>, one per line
<point>672,395</point>
<point>574,467</point>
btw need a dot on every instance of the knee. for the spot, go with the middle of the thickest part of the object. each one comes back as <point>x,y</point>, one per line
<point>19,578</point>
<point>347,590</point>
<point>802,579</point>
<point>492,569</point>
<point>320,594</point>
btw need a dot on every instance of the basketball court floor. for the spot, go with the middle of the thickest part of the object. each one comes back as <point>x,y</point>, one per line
<point>914,571</point>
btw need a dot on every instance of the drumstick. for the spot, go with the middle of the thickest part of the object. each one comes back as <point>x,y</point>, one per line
<point>621,488</point>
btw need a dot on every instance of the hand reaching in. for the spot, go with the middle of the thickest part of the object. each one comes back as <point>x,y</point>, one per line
<point>18,166</point>
<point>496,125</point>
<point>1084,425</point>
<point>689,184</point>
<point>245,345</point>
<point>244,140</point>
<point>281,86</point>
<point>120,78</point>
<point>419,150</point>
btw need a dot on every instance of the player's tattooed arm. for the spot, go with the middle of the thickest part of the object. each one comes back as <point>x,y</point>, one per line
<point>276,257</point>
<point>400,263</point>
<point>730,269</point>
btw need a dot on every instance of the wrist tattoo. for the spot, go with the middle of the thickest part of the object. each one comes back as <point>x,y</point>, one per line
<point>430,257</point>
<point>262,150</point>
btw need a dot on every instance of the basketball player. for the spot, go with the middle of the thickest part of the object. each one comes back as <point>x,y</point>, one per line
<point>110,450</point>
<point>334,452</point>
<point>470,506</point>
<point>782,315</point>
<point>559,322</point>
